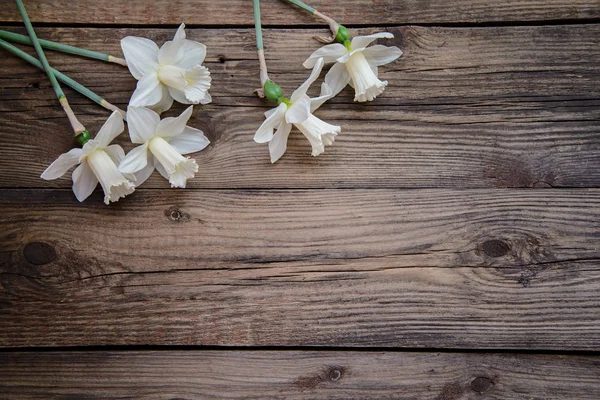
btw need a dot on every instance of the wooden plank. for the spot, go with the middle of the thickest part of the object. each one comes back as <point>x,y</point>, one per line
<point>494,107</point>
<point>349,12</point>
<point>420,268</point>
<point>296,375</point>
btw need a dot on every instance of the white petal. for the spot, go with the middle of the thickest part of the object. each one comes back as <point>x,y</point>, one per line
<point>326,94</point>
<point>142,175</point>
<point>141,55</point>
<point>194,54</point>
<point>278,145</point>
<point>111,129</point>
<point>115,152</point>
<point>186,170</point>
<point>84,181</point>
<point>148,92</point>
<point>271,112</point>
<point>337,78</point>
<point>265,132</point>
<point>179,96</point>
<point>381,55</point>
<point>165,103</point>
<point>363,41</point>
<point>135,160</point>
<point>298,111</point>
<point>190,141</point>
<point>198,82</point>
<point>319,133</point>
<point>114,184</point>
<point>301,91</point>
<point>364,79</point>
<point>329,54</point>
<point>161,170</point>
<point>89,148</point>
<point>172,51</point>
<point>173,126</point>
<point>142,123</point>
<point>172,76</point>
<point>62,164</point>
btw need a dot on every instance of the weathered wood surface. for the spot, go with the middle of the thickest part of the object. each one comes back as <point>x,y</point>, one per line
<point>426,268</point>
<point>328,251</point>
<point>297,375</point>
<point>466,107</point>
<point>274,12</point>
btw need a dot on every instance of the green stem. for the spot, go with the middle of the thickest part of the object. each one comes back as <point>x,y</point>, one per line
<point>77,126</point>
<point>302,5</point>
<point>38,49</point>
<point>334,26</point>
<point>257,25</point>
<point>60,76</point>
<point>47,44</point>
<point>264,75</point>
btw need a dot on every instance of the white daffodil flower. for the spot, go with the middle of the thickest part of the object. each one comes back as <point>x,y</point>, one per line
<point>162,144</point>
<point>356,64</point>
<point>173,72</point>
<point>298,111</point>
<point>98,162</point>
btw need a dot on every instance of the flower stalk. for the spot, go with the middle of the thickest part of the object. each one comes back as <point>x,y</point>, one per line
<point>47,44</point>
<point>264,75</point>
<point>334,26</point>
<point>77,126</point>
<point>61,77</point>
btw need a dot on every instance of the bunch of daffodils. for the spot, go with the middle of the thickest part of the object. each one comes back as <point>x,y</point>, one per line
<point>173,72</point>
<point>355,64</point>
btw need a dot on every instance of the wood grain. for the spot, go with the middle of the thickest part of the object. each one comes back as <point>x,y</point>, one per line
<point>494,107</point>
<point>274,12</point>
<point>425,268</point>
<point>297,375</point>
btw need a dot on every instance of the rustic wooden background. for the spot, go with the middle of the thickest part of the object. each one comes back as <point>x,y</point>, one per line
<point>445,247</point>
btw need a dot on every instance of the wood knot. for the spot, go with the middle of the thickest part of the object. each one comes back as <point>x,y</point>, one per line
<point>310,382</point>
<point>38,253</point>
<point>495,248</point>
<point>335,374</point>
<point>481,384</point>
<point>175,215</point>
<point>222,58</point>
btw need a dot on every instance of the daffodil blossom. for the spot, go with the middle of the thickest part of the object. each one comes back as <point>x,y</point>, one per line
<point>98,161</point>
<point>298,111</point>
<point>356,64</point>
<point>162,144</point>
<point>173,72</point>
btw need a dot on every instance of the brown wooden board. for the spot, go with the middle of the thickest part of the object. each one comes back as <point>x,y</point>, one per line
<point>275,12</point>
<point>426,268</point>
<point>466,107</point>
<point>296,375</point>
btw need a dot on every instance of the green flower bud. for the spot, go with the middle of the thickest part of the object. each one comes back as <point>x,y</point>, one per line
<point>273,91</point>
<point>83,137</point>
<point>343,34</point>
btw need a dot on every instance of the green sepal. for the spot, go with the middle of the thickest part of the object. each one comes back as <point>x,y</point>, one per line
<point>83,137</point>
<point>285,100</point>
<point>273,91</point>
<point>343,34</point>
